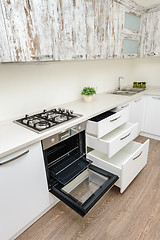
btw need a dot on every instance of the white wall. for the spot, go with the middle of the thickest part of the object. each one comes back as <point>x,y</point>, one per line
<point>146,70</point>
<point>26,88</point>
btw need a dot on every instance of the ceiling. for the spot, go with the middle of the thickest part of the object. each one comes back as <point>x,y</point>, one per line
<point>147,3</point>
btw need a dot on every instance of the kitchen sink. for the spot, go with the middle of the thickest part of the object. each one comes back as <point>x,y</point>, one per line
<point>128,91</point>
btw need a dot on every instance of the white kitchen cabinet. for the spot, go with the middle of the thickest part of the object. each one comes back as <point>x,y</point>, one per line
<point>23,189</point>
<point>126,164</point>
<point>137,112</point>
<point>152,115</point>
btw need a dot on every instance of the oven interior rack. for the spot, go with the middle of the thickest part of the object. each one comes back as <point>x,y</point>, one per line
<point>69,167</point>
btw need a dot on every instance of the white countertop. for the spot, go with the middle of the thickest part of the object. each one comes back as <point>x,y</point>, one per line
<point>14,137</point>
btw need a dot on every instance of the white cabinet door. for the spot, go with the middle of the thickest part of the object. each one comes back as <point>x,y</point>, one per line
<point>152,116</point>
<point>137,111</point>
<point>23,189</point>
<point>150,36</point>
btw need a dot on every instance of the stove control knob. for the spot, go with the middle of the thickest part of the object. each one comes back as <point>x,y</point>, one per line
<point>60,109</point>
<point>53,140</point>
<point>79,127</point>
<point>44,110</point>
<point>71,112</point>
<point>63,110</point>
<point>67,111</point>
<point>26,116</point>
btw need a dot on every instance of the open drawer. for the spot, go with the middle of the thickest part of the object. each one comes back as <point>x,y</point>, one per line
<point>85,190</point>
<point>114,141</point>
<point>106,122</point>
<point>127,163</point>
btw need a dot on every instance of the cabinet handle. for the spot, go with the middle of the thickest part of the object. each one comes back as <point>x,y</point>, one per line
<point>125,136</point>
<point>125,106</point>
<point>138,156</point>
<point>138,100</point>
<point>157,98</point>
<point>115,119</point>
<point>15,158</point>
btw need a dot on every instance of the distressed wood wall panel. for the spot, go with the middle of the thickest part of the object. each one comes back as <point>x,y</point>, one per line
<point>5,55</point>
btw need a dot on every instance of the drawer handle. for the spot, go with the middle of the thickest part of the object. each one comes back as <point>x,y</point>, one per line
<point>15,158</point>
<point>125,106</point>
<point>138,156</point>
<point>125,136</point>
<point>115,119</point>
<point>138,100</point>
<point>157,98</point>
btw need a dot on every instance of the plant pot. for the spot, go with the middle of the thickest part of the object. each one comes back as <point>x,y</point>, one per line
<point>88,99</point>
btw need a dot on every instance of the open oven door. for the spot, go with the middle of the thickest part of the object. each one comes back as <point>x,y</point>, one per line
<point>82,192</point>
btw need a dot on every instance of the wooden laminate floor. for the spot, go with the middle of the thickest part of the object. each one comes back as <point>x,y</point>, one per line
<point>133,215</point>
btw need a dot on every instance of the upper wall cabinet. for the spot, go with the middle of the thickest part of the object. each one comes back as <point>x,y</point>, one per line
<point>150,44</point>
<point>33,30</point>
<point>28,29</point>
<point>115,29</point>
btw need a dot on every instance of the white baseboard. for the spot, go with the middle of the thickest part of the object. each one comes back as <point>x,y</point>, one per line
<point>150,136</point>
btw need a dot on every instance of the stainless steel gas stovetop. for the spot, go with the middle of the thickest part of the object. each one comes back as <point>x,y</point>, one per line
<point>47,119</point>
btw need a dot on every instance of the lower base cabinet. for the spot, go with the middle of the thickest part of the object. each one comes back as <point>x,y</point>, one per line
<point>126,164</point>
<point>23,189</point>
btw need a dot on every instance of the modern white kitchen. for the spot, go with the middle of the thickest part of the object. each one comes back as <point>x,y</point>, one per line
<point>71,169</point>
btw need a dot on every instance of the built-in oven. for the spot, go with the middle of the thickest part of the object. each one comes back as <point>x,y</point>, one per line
<point>71,176</point>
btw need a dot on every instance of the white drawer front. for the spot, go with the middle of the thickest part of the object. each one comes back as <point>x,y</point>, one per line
<point>127,163</point>
<point>108,124</point>
<point>115,140</point>
<point>134,165</point>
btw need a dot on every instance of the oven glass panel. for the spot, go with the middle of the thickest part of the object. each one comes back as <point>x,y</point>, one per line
<point>91,181</point>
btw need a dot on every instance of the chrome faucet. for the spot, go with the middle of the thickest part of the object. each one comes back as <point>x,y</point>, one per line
<point>119,83</point>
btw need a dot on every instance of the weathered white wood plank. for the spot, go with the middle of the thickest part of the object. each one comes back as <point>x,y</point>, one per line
<point>150,40</point>
<point>5,55</point>
<point>79,29</point>
<point>90,14</point>
<point>116,27</point>
<point>27,28</point>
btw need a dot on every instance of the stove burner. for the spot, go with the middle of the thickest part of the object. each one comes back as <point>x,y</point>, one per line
<point>61,118</point>
<point>42,125</point>
<point>47,119</point>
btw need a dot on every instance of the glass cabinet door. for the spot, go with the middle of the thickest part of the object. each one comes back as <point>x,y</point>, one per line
<point>132,22</point>
<point>130,47</point>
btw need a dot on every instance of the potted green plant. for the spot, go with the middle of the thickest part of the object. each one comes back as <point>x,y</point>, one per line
<point>88,93</point>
